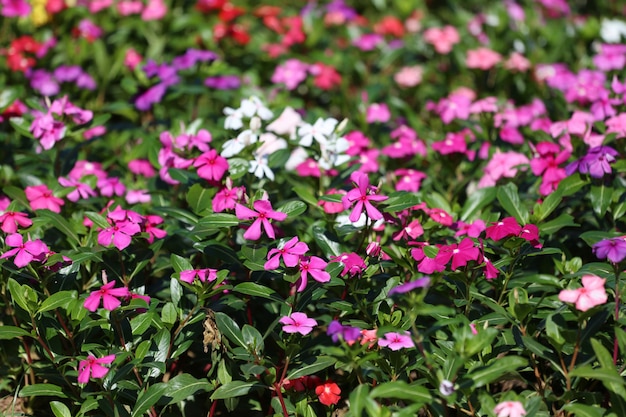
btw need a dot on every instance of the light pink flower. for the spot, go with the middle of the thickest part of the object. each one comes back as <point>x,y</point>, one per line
<point>517,62</point>
<point>264,212</point>
<point>24,252</point>
<point>482,58</point>
<point>41,197</point>
<point>290,252</point>
<point>286,123</point>
<point>111,186</point>
<point>442,38</point>
<point>377,112</point>
<point>298,323</point>
<point>409,76</point>
<point>92,367</point>
<point>502,165</point>
<point>81,190</point>
<point>154,10</point>
<point>591,294</point>
<point>108,295</point>
<point>396,341</point>
<point>509,409</point>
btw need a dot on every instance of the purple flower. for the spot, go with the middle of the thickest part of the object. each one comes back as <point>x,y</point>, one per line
<point>596,163</point>
<point>43,81</point>
<point>410,286</point>
<point>613,249</point>
<point>223,82</point>
<point>67,73</point>
<point>337,330</point>
<point>152,95</point>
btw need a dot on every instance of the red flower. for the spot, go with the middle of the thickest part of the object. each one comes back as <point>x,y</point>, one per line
<point>328,393</point>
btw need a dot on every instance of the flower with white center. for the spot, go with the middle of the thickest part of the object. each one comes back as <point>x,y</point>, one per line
<point>321,131</point>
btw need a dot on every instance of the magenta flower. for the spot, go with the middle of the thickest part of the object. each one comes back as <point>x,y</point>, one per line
<point>313,266</point>
<point>362,195</point>
<point>509,409</point>
<point>149,226</point>
<point>410,286</point>
<point>14,8</point>
<point>82,190</point>
<point>297,323</point>
<point>92,367</point>
<point>290,252</point>
<point>504,228</point>
<point>12,219</point>
<point>109,296</point>
<point>120,234</point>
<point>336,330</point>
<point>211,166</point>
<point>463,253</point>
<point>203,275</point>
<point>613,249</point>
<point>396,341</point>
<point>24,252</point>
<point>591,294</point>
<point>353,264</point>
<point>227,197</point>
<point>378,112</point>
<point>263,214</point>
<point>111,186</point>
<point>41,197</point>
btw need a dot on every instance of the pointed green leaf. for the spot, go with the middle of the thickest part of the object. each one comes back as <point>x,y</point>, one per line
<point>234,389</point>
<point>61,299</point>
<point>12,332</point>
<point>200,198</point>
<point>600,197</point>
<point>304,369</point>
<point>42,390</point>
<point>477,201</point>
<point>498,368</point>
<point>148,399</point>
<point>182,386</point>
<point>508,196</point>
<point>59,409</point>
<point>229,328</point>
<point>402,391</point>
<point>292,208</point>
<point>60,223</point>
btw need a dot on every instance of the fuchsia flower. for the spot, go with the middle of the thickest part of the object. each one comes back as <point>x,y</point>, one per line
<point>149,226</point>
<point>92,367</point>
<point>119,234</point>
<point>108,295</point>
<point>504,228</point>
<point>290,252</point>
<point>264,212</point>
<point>227,197</point>
<point>203,275</point>
<point>353,264</point>
<point>314,266</point>
<point>509,409</point>
<point>396,341</point>
<point>211,166</point>
<point>591,294</point>
<point>362,195</point>
<point>502,165</point>
<point>377,112</point>
<point>613,249</point>
<point>24,252</point>
<point>81,190</point>
<point>12,219</point>
<point>292,73</point>
<point>41,197</point>
<point>297,323</point>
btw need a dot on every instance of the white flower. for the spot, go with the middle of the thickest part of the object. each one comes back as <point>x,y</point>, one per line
<point>233,146</point>
<point>233,118</point>
<point>333,153</point>
<point>270,144</point>
<point>298,156</point>
<point>612,31</point>
<point>260,168</point>
<point>320,131</point>
<point>254,105</point>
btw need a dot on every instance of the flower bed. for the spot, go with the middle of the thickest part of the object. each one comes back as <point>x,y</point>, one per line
<point>332,208</point>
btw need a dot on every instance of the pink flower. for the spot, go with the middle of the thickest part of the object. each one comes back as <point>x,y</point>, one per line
<point>92,367</point>
<point>291,73</point>
<point>120,234</point>
<point>141,167</point>
<point>149,226</point>
<point>227,197</point>
<point>211,166</point>
<point>154,10</point>
<point>313,266</point>
<point>330,207</point>
<point>442,38</point>
<point>82,190</point>
<point>362,195</point>
<point>517,62</point>
<point>378,112</point>
<point>24,252</point>
<point>591,294</point>
<point>290,252</point>
<point>353,264</point>
<point>482,58</point>
<point>14,8</point>
<point>463,253</point>
<point>504,228</point>
<point>409,179</point>
<point>297,323</point>
<point>396,341</point>
<point>408,76</point>
<point>203,275</point>
<point>132,59</point>
<point>12,219</point>
<point>109,296</point>
<point>264,212</point>
<point>41,197</point>
<point>111,186</point>
<point>502,165</point>
<point>509,409</point>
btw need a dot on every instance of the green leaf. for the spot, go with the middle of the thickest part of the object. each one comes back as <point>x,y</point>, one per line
<point>23,295</point>
<point>21,126</point>
<point>60,223</point>
<point>16,193</point>
<point>399,201</point>
<point>571,184</point>
<point>97,219</point>
<point>42,390</point>
<point>328,246</point>
<point>214,222</point>
<point>8,96</point>
<point>200,198</point>
<point>238,167</point>
<point>59,409</point>
<point>436,200</point>
<point>257,290</point>
<point>358,398</point>
<point>304,192</point>
<point>402,391</point>
<point>252,338</point>
<point>182,386</point>
<point>12,332</point>
<point>229,328</point>
<point>179,263</point>
<point>234,389</point>
<point>607,377</point>
<point>319,363</point>
<point>169,315</point>
<point>582,410</point>
<point>549,204</point>
<point>179,214</point>
<point>553,226</point>
<point>292,208</point>
<point>600,197</point>
<point>148,398</point>
<point>498,368</point>
<point>61,299</point>
<point>476,201</point>
<point>508,197</point>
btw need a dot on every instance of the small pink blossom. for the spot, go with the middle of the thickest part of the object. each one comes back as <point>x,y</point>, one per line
<point>297,323</point>
<point>141,167</point>
<point>502,165</point>
<point>154,10</point>
<point>509,409</point>
<point>396,340</point>
<point>41,197</point>
<point>482,58</point>
<point>591,294</point>
<point>362,195</point>
<point>409,76</point>
<point>12,219</point>
<point>314,267</point>
<point>203,275</point>
<point>108,295</point>
<point>378,112</point>
<point>111,186</point>
<point>442,38</point>
<point>263,214</point>
<point>290,252</point>
<point>24,252</point>
<point>506,227</point>
<point>119,234</point>
<point>227,197</point>
<point>132,59</point>
<point>211,166</point>
<point>92,367</point>
<point>149,225</point>
<point>81,190</point>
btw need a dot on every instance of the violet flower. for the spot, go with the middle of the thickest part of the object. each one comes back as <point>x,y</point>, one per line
<point>613,249</point>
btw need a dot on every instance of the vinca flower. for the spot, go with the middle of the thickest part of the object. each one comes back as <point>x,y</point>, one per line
<point>108,295</point>
<point>92,368</point>
<point>328,393</point>
<point>263,214</point>
<point>509,409</point>
<point>396,341</point>
<point>24,252</point>
<point>297,323</point>
<point>591,294</point>
<point>361,197</point>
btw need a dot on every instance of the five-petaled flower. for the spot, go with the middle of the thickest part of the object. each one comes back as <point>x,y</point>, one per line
<point>290,252</point>
<point>203,275</point>
<point>109,296</point>
<point>41,197</point>
<point>314,266</point>
<point>328,393</point>
<point>591,294</point>
<point>297,323</point>
<point>509,409</point>
<point>92,367</point>
<point>613,249</point>
<point>211,166</point>
<point>12,219</point>
<point>264,212</point>
<point>362,195</point>
<point>396,340</point>
<point>24,252</point>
